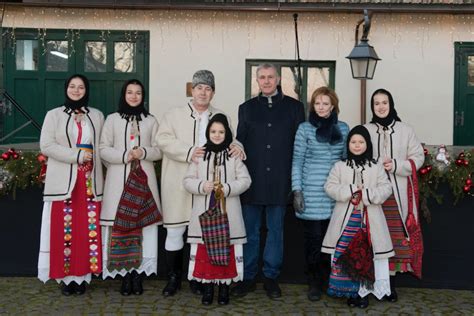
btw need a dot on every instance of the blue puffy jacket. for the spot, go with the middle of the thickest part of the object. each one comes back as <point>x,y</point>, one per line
<point>312,162</point>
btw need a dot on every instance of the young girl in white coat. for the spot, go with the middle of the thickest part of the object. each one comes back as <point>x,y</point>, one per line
<point>199,181</point>
<point>359,185</point>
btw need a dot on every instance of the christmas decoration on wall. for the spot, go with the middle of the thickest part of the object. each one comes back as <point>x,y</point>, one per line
<point>18,171</point>
<point>399,30</point>
<point>457,173</point>
<point>442,156</point>
<point>428,182</point>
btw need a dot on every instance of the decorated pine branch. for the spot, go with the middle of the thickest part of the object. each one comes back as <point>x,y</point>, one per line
<point>19,171</point>
<point>457,173</point>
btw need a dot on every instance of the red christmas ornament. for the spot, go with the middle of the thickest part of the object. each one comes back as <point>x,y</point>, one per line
<point>15,156</point>
<point>466,162</point>
<point>11,150</point>
<point>429,167</point>
<point>468,181</point>
<point>467,188</point>
<point>5,156</point>
<point>459,162</point>
<point>461,155</point>
<point>423,171</point>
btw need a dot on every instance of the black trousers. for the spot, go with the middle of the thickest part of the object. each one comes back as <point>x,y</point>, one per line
<point>317,264</point>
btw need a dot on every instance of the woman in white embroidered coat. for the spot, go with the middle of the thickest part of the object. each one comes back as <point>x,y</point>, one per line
<point>73,191</point>
<point>129,134</point>
<point>359,186</point>
<point>199,181</point>
<point>395,143</point>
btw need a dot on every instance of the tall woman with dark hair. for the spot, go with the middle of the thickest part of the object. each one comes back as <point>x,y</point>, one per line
<point>129,134</point>
<point>70,249</point>
<point>400,151</point>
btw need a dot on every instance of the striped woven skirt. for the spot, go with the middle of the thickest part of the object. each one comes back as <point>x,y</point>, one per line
<point>340,284</point>
<point>401,261</point>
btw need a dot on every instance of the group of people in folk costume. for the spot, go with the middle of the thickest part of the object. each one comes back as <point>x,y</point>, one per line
<point>354,192</point>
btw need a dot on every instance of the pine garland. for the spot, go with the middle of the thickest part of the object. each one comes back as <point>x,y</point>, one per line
<point>429,179</point>
<point>460,170</point>
<point>455,174</point>
<point>20,173</point>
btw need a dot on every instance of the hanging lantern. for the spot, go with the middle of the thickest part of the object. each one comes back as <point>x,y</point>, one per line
<point>363,57</point>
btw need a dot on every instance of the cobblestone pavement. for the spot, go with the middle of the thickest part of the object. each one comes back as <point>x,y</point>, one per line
<point>28,296</point>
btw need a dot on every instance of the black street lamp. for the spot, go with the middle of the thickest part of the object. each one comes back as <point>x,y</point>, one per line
<point>363,57</point>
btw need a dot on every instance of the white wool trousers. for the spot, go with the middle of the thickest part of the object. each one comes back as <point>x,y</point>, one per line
<point>174,238</point>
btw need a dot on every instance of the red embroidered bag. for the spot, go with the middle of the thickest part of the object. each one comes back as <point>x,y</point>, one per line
<point>358,259</point>
<point>137,207</point>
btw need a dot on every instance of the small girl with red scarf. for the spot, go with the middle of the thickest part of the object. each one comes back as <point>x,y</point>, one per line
<point>217,180</point>
<point>357,237</point>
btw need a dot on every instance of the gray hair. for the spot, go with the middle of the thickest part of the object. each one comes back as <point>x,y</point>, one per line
<point>267,66</point>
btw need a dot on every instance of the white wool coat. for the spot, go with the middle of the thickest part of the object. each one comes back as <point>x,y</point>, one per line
<point>340,185</point>
<point>235,179</point>
<point>58,144</point>
<point>399,143</point>
<point>178,136</point>
<point>114,148</point>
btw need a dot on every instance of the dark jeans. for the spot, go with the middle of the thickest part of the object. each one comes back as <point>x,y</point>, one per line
<point>317,264</point>
<point>273,252</point>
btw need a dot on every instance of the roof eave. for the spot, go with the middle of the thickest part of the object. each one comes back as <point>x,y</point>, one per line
<point>268,7</point>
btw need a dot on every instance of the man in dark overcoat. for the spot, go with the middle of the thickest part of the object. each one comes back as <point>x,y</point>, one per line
<point>267,127</point>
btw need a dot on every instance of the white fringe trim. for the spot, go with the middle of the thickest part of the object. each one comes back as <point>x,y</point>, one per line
<point>382,280</point>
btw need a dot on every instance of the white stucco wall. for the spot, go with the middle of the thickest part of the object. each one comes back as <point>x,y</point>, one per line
<point>417,54</point>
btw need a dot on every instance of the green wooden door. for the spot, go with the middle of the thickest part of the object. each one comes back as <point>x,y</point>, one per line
<point>464,94</point>
<point>37,63</point>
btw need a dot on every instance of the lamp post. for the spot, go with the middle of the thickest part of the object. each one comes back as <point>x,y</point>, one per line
<point>363,59</point>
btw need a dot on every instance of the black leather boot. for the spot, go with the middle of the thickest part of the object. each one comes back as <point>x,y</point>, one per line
<point>314,288</point>
<point>223,294</point>
<point>67,290</point>
<point>363,302</point>
<point>126,288</point>
<point>195,287</point>
<point>174,262</point>
<point>208,295</point>
<point>137,283</point>
<point>79,289</point>
<point>393,297</point>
